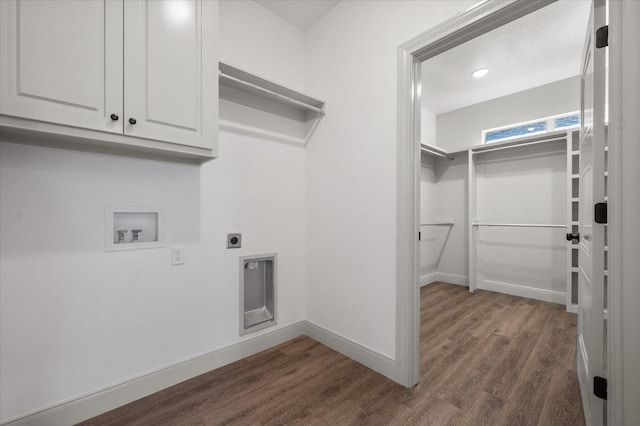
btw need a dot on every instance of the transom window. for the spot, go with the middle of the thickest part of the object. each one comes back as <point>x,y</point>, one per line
<point>535,127</point>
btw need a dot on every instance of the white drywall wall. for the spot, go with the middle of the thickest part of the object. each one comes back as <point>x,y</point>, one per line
<point>452,203</point>
<point>351,164</point>
<point>262,43</point>
<point>523,185</point>
<point>443,196</point>
<point>428,123</point>
<point>463,127</point>
<point>428,235</point>
<point>74,319</point>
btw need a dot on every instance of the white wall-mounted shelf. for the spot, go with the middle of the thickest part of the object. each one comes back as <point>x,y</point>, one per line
<point>438,152</point>
<point>248,89</point>
<point>573,205</point>
<point>573,185</point>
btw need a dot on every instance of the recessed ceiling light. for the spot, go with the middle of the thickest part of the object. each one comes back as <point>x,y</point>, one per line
<point>480,72</point>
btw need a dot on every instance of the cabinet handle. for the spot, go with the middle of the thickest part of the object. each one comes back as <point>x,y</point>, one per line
<point>114,117</point>
<point>132,120</point>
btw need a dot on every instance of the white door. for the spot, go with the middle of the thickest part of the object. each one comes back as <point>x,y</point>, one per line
<point>168,97</point>
<point>61,62</point>
<point>591,247</point>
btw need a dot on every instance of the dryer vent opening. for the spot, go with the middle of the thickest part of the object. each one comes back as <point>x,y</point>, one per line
<point>257,292</point>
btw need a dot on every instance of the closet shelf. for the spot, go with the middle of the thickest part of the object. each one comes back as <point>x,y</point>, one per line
<point>256,92</point>
<point>575,152</point>
<point>238,80</point>
<point>575,247</point>
<point>436,151</point>
<point>536,140</point>
<point>520,225</point>
<point>575,176</point>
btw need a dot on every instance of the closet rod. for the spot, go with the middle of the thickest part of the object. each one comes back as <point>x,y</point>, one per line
<point>272,93</point>
<point>483,150</point>
<point>437,224</point>
<point>521,225</point>
<point>435,151</point>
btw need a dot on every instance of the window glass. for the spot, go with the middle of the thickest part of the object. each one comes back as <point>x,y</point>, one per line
<point>516,131</point>
<point>570,121</point>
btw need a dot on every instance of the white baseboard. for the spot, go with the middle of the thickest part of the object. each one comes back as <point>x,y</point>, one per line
<point>573,308</point>
<point>428,279</point>
<point>452,279</point>
<point>524,291</point>
<point>88,406</point>
<point>365,356</point>
<point>446,278</point>
<point>91,405</point>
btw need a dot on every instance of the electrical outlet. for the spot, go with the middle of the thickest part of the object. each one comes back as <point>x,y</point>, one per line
<point>234,241</point>
<point>177,255</point>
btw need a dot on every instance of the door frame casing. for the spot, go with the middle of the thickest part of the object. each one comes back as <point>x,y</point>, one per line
<point>623,345</point>
<point>479,19</point>
<point>623,294</point>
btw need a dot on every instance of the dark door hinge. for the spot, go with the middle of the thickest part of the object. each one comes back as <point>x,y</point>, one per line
<point>600,387</point>
<point>600,213</point>
<point>602,37</point>
<point>419,236</point>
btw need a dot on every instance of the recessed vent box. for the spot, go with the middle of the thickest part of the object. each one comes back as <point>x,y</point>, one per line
<point>133,227</point>
<point>257,292</point>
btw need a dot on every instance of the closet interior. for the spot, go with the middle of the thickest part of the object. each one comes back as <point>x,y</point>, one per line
<point>499,177</point>
<point>496,217</point>
<point>443,218</point>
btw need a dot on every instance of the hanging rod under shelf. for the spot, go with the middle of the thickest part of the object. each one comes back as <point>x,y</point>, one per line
<point>437,224</point>
<point>436,151</point>
<point>516,144</point>
<point>272,93</point>
<point>521,225</point>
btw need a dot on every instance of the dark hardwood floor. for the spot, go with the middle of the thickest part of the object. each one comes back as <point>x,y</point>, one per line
<point>486,359</point>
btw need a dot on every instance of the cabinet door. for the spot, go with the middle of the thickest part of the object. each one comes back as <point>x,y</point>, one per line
<point>61,62</point>
<point>170,71</point>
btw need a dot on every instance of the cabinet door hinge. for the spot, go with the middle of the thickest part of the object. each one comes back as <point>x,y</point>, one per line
<point>419,236</point>
<point>602,37</point>
<point>600,213</point>
<point>600,387</point>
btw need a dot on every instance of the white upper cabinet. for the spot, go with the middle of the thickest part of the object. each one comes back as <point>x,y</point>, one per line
<point>164,84</point>
<point>145,70</point>
<point>62,62</point>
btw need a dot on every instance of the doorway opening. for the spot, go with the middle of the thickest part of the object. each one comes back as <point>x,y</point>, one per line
<point>478,190</point>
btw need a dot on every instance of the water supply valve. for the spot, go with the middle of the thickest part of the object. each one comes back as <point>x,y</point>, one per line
<point>121,233</point>
<point>136,234</point>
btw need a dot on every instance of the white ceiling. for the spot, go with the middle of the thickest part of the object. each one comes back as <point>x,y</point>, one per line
<point>537,49</point>
<point>301,13</point>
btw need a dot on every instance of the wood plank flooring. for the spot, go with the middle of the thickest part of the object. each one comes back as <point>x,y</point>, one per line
<point>486,359</point>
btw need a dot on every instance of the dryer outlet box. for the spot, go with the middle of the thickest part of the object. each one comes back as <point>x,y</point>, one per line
<point>234,241</point>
